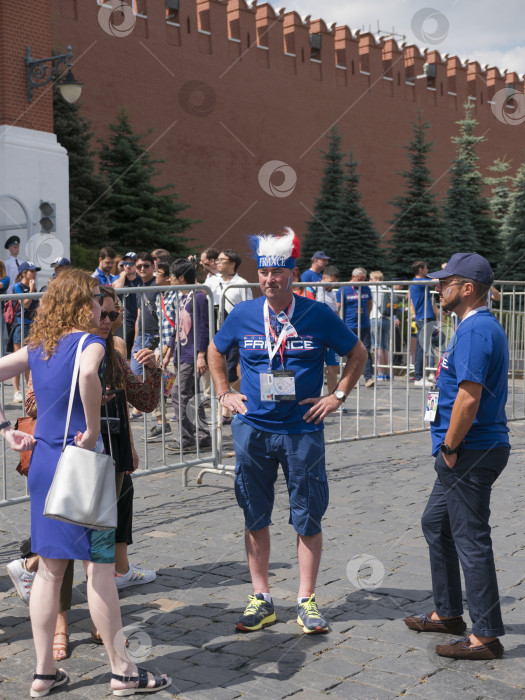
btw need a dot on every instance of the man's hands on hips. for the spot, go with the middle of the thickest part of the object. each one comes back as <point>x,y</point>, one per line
<point>234,402</point>
<point>322,406</point>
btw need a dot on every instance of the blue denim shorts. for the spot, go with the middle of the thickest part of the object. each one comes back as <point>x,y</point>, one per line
<point>258,455</point>
<point>331,358</point>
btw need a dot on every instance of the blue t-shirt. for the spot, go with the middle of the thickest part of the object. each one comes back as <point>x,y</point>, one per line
<point>317,326</point>
<point>478,352</point>
<point>417,297</point>
<point>106,280</point>
<point>311,276</point>
<point>351,302</point>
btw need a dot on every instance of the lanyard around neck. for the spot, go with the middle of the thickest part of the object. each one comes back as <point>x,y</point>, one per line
<point>287,331</point>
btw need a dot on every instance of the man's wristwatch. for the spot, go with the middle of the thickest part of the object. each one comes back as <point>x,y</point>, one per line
<point>446,450</point>
<point>340,395</point>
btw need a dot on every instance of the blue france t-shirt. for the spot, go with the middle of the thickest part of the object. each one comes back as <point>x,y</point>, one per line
<point>417,297</point>
<point>311,276</point>
<point>478,353</point>
<point>351,304</point>
<point>317,326</point>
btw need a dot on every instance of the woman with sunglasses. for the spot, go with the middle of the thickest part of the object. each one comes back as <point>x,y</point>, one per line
<point>69,308</point>
<point>144,395</point>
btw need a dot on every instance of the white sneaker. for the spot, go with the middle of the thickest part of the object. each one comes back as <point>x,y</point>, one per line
<point>21,578</point>
<point>431,377</point>
<point>134,577</point>
<point>17,397</point>
<point>421,382</point>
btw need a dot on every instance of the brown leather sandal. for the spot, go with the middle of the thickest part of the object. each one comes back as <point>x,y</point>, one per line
<point>61,648</point>
<point>97,639</point>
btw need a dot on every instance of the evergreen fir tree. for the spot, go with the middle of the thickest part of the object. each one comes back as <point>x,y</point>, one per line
<point>500,184</point>
<point>87,217</point>
<point>417,227</point>
<point>140,214</point>
<point>512,265</point>
<point>321,227</point>
<point>481,235</point>
<point>355,242</point>
<point>459,232</point>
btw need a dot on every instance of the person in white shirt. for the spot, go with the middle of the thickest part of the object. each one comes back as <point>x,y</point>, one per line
<point>13,261</point>
<point>380,325</point>
<point>228,263</point>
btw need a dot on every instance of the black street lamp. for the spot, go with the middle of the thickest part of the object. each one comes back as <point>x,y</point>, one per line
<point>39,74</point>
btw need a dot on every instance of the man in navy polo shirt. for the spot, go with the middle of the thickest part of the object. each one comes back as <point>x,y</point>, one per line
<point>357,304</point>
<point>471,447</point>
<point>282,339</point>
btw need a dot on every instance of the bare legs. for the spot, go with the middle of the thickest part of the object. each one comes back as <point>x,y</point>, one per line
<point>43,608</point>
<point>309,549</point>
<point>104,607</point>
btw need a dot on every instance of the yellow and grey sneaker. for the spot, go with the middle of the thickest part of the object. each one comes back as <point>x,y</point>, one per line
<point>257,614</point>
<point>309,616</point>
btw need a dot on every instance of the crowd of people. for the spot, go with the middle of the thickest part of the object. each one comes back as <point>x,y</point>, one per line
<point>267,357</point>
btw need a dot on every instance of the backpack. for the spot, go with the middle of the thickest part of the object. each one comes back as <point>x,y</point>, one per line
<point>10,311</point>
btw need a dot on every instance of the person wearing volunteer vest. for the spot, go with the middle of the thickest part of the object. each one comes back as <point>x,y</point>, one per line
<point>471,447</point>
<point>278,418</point>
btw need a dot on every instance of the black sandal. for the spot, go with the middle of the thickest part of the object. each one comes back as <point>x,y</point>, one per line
<point>142,680</point>
<point>60,678</point>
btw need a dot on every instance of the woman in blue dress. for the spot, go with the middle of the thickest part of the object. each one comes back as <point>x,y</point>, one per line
<point>68,309</point>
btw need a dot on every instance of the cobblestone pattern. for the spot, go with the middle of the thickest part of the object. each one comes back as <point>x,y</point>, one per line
<point>374,572</point>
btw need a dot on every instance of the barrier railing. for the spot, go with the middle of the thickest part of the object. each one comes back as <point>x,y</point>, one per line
<point>392,405</point>
<point>396,404</point>
<point>198,415</point>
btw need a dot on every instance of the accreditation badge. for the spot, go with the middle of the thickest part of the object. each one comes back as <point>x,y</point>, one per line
<point>431,407</point>
<point>278,385</point>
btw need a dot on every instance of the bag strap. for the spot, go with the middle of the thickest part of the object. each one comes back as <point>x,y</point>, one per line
<point>74,380</point>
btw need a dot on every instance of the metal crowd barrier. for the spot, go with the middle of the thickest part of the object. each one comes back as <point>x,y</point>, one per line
<point>396,406</point>
<point>155,458</point>
<point>390,407</point>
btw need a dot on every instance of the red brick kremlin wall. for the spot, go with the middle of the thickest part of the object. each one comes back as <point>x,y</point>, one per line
<point>24,24</point>
<point>221,107</point>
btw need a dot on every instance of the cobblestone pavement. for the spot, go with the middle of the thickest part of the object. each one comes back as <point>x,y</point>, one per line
<point>374,572</point>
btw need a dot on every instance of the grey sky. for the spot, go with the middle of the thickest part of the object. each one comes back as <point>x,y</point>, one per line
<point>488,31</point>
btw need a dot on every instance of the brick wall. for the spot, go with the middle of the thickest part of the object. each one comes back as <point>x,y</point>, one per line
<point>24,24</point>
<point>227,87</point>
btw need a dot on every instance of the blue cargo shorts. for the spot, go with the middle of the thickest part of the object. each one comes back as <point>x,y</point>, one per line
<point>258,455</point>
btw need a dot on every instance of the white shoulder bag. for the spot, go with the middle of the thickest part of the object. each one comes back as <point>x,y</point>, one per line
<point>83,491</point>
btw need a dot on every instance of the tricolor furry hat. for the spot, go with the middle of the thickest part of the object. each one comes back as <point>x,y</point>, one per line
<point>276,251</point>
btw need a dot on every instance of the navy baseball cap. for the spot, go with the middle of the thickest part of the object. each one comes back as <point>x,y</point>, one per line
<point>320,254</point>
<point>471,265</point>
<point>130,255</point>
<point>28,266</point>
<point>60,262</point>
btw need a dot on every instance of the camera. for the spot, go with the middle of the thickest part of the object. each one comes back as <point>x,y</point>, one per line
<point>153,342</point>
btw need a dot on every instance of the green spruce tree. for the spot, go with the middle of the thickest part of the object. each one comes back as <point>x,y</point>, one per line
<point>480,235</point>
<point>512,265</point>
<point>500,183</point>
<point>88,220</point>
<point>355,242</point>
<point>416,226</point>
<point>321,227</point>
<point>140,214</point>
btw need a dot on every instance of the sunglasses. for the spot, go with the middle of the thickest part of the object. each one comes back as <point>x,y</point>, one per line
<point>143,265</point>
<point>113,315</point>
<point>99,297</point>
<point>128,264</point>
